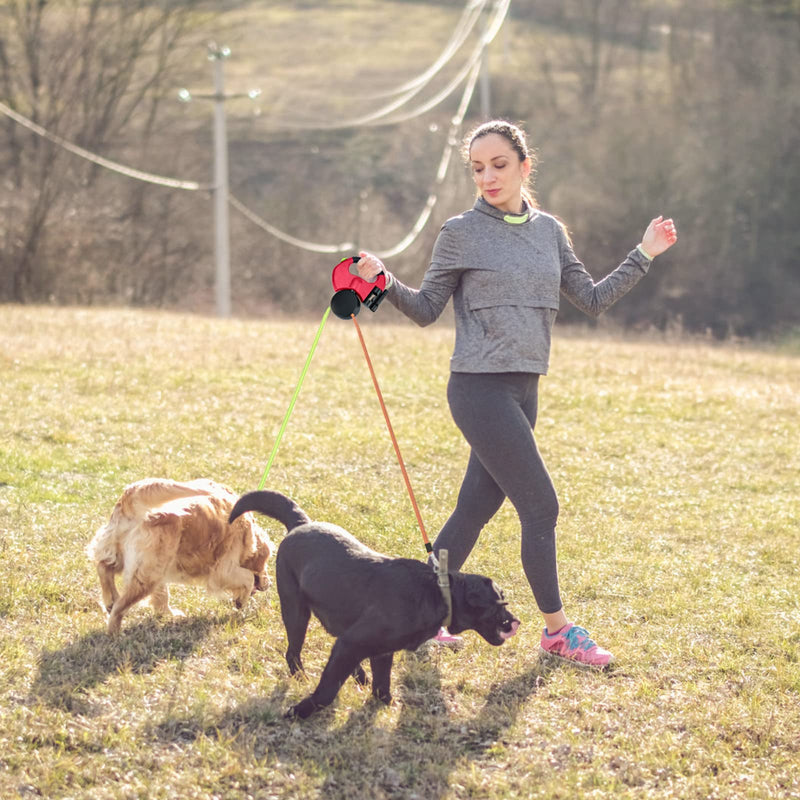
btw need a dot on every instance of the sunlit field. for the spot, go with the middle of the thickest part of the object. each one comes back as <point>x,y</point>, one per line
<point>677,464</point>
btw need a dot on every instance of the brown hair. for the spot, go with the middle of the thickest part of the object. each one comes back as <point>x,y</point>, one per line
<point>515,136</point>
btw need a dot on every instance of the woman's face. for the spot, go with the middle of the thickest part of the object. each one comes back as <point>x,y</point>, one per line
<point>498,173</point>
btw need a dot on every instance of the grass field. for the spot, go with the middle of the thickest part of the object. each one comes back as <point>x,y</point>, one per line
<point>678,470</point>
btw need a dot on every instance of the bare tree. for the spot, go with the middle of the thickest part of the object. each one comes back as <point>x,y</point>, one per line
<point>737,117</point>
<point>93,73</point>
<point>636,107</point>
<point>688,107</point>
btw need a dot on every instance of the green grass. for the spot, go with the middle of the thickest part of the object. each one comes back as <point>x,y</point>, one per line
<point>678,470</point>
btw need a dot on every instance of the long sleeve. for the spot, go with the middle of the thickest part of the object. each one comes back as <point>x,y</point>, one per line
<point>425,305</point>
<point>592,298</point>
<point>505,279</point>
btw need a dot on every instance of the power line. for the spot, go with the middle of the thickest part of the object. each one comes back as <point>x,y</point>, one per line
<point>471,71</point>
<point>303,244</point>
<point>309,246</point>
<point>464,26</point>
<point>444,163</point>
<point>422,219</point>
<point>382,116</point>
<point>443,94</point>
<point>469,16</point>
<point>128,172</point>
<point>312,247</point>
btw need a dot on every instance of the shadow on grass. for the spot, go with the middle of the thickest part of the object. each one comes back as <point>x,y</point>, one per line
<point>439,740</point>
<point>253,717</point>
<point>67,673</point>
<point>362,759</point>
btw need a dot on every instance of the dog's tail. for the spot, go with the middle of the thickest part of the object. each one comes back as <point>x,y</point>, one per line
<point>103,547</point>
<point>273,504</point>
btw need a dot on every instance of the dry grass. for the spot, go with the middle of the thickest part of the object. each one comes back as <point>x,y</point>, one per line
<point>677,467</point>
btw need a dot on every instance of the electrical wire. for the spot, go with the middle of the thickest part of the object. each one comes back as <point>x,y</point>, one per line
<point>469,16</point>
<point>441,96</point>
<point>444,163</point>
<point>303,244</point>
<point>381,116</point>
<point>423,217</point>
<point>471,71</point>
<point>285,237</point>
<point>477,54</point>
<point>129,172</point>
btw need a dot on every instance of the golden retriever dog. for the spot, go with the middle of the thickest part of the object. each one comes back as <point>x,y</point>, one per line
<point>163,532</point>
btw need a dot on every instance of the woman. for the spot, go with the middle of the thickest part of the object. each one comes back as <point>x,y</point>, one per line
<point>504,263</point>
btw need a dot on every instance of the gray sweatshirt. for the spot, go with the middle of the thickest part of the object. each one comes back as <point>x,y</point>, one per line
<point>504,273</point>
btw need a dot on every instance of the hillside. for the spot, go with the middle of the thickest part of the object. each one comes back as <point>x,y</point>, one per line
<point>634,110</point>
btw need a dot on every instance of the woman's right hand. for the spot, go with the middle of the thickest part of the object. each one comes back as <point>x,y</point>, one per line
<point>369,266</point>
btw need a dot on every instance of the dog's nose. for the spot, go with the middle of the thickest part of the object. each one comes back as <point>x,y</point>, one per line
<point>510,626</point>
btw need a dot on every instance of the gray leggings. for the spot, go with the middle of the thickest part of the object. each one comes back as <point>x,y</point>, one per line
<point>496,412</point>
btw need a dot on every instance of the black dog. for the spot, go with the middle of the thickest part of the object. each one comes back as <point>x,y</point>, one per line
<point>374,605</point>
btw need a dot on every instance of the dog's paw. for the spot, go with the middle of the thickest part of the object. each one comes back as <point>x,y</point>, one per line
<point>106,607</point>
<point>169,613</point>
<point>302,710</point>
<point>382,696</point>
<point>295,665</point>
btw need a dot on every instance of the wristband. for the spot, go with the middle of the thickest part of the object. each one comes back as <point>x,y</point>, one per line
<point>644,252</point>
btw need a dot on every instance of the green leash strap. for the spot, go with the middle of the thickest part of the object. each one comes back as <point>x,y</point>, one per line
<point>294,398</point>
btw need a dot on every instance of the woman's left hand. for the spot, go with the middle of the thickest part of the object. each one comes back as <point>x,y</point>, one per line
<point>369,266</point>
<point>659,236</point>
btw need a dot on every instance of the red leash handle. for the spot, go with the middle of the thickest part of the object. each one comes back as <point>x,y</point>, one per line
<point>352,290</point>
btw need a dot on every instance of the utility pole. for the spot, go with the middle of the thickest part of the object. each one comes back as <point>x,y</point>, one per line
<point>484,75</point>
<point>221,225</point>
<point>222,282</point>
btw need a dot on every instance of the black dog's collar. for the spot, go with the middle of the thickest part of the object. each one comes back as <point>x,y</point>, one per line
<point>444,586</point>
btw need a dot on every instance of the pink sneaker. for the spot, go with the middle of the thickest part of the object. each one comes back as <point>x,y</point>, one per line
<point>446,639</point>
<point>573,645</point>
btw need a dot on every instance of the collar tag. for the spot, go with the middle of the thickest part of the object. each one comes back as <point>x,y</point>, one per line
<point>516,219</point>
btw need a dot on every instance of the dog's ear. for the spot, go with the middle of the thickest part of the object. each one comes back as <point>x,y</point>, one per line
<point>483,592</point>
<point>257,547</point>
<point>245,525</point>
<point>264,546</point>
<point>478,591</point>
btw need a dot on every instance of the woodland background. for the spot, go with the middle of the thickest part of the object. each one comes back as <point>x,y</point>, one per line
<point>686,107</point>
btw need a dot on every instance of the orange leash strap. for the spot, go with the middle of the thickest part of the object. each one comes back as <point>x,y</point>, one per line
<point>428,546</point>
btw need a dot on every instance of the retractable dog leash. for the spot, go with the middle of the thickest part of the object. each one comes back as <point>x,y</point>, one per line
<point>428,546</point>
<point>294,398</point>
<point>351,291</point>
